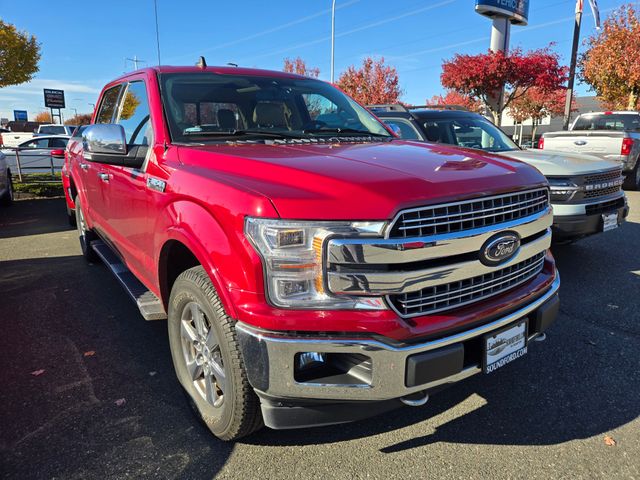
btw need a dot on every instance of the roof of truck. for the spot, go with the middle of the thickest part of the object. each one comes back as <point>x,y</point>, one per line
<point>226,70</point>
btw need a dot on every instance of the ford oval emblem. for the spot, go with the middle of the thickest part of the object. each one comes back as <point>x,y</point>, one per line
<point>499,248</point>
<point>580,142</point>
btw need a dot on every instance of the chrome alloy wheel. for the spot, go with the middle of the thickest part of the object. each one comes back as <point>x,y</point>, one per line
<point>202,355</point>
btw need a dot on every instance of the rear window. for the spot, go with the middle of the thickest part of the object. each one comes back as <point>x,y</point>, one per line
<point>53,130</point>
<point>619,122</point>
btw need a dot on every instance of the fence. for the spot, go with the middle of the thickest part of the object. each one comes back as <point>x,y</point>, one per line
<point>21,168</point>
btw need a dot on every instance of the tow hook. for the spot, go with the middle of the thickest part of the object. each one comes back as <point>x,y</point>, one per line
<point>417,402</point>
<point>541,337</point>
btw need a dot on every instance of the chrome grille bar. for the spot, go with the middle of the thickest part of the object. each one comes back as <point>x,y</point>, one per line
<point>468,214</point>
<point>482,287</point>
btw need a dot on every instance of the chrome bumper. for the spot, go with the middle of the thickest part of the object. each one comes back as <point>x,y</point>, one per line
<point>269,358</point>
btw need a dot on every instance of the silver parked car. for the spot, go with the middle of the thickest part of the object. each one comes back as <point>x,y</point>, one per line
<point>6,186</point>
<point>35,153</point>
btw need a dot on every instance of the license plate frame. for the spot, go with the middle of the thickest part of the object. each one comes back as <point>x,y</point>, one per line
<point>609,221</point>
<point>493,361</point>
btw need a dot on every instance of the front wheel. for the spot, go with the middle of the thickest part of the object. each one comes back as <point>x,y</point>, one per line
<point>632,180</point>
<point>207,359</point>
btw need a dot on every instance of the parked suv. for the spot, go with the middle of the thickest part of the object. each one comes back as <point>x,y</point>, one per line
<point>586,191</point>
<point>314,269</point>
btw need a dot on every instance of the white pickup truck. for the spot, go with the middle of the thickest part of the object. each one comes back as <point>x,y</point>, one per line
<point>608,135</point>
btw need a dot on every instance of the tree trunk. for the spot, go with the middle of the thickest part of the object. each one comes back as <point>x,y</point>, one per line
<point>534,128</point>
<point>633,99</point>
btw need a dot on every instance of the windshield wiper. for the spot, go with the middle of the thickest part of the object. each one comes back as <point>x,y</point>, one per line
<point>347,131</point>
<point>239,133</point>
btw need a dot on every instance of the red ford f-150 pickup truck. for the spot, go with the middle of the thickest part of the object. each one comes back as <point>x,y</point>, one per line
<point>313,268</point>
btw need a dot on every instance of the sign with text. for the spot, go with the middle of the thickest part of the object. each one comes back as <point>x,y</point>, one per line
<point>20,115</point>
<point>53,98</point>
<point>515,10</point>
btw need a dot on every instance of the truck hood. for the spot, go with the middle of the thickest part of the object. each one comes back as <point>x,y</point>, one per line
<point>561,164</point>
<point>364,181</point>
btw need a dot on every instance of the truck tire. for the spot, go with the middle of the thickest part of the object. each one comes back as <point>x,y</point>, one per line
<point>7,198</point>
<point>85,235</point>
<point>632,180</point>
<point>207,359</point>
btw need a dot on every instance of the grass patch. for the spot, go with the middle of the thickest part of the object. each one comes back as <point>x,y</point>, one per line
<point>38,185</point>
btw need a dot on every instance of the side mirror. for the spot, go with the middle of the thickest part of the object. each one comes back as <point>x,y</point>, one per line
<point>57,153</point>
<point>395,129</point>
<point>106,143</point>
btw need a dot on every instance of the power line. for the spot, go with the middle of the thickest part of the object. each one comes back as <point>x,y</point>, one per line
<point>354,30</point>
<point>266,32</point>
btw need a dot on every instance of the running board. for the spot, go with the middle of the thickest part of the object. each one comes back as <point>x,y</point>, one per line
<point>150,306</point>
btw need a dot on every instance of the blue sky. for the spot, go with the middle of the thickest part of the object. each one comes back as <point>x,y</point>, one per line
<point>84,44</point>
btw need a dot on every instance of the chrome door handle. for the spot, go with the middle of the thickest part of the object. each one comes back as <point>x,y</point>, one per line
<point>104,177</point>
<point>84,166</point>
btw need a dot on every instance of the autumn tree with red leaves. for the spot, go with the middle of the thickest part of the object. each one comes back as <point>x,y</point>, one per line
<point>483,76</point>
<point>536,104</point>
<point>372,83</point>
<point>299,66</point>
<point>611,65</point>
<point>457,99</point>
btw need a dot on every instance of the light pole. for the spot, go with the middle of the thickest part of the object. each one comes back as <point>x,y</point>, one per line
<point>333,35</point>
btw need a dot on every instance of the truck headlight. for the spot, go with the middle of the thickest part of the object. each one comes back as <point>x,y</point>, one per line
<point>562,189</point>
<point>292,255</point>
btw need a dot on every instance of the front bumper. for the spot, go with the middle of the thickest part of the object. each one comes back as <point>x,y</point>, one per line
<point>387,372</point>
<point>589,220</point>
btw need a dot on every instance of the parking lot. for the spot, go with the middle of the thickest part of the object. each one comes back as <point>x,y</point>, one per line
<point>88,389</point>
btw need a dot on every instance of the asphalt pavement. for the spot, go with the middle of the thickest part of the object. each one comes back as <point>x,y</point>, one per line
<point>87,389</point>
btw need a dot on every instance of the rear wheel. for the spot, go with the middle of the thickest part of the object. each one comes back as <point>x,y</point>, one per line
<point>85,235</point>
<point>207,359</point>
<point>7,197</point>
<point>632,180</point>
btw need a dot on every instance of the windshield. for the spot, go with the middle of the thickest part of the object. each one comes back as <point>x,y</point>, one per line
<point>209,107</point>
<point>614,121</point>
<point>470,132</point>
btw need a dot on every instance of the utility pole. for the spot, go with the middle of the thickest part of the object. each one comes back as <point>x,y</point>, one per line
<point>333,36</point>
<point>572,66</point>
<point>135,61</point>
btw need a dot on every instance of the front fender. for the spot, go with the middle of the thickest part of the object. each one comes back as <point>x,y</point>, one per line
<point>222,252</point>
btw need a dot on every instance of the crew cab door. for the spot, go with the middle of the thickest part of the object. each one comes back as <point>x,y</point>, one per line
<point>88,174</point>
<point>124,189</point>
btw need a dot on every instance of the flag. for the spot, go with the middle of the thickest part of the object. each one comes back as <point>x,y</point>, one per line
<point>579,6</point>
<point>596,12</point>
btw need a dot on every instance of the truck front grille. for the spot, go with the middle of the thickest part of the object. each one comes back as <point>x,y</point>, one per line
<point>450,295</point>
<point>603,184</point>
<point>469,214</point>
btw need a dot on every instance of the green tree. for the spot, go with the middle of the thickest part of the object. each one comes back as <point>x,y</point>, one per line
<point>19,55</point>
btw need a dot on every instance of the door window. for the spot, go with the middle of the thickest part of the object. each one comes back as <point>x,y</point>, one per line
<point>58,142</point>
<point>41,143</point>
<point>134,115</point>
<point>108,105</point>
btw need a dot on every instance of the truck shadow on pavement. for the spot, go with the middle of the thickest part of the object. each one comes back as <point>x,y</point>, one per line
<point>33,217</point>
